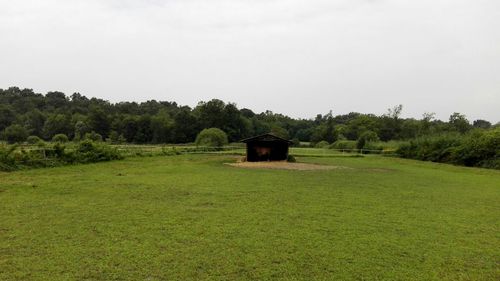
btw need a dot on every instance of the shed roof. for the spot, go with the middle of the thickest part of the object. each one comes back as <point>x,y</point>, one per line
<point>266,137</point>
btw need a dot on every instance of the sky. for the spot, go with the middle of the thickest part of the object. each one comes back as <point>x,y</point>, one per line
<point>296,57</point>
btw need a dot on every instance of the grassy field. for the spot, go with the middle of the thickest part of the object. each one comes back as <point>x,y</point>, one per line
<point>190,217</point>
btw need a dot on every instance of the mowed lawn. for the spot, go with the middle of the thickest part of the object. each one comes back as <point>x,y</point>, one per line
<point>194,218</point>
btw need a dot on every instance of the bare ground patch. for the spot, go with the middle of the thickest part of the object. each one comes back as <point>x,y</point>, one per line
<point>279,165</point>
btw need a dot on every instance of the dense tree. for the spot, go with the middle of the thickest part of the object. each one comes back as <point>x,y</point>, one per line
<point>162,126</point>
<point>34,122</point>
<point>15,133</point>
<point>57,124</point>
<point>81,128</point>
<point>186,126</point>
<point>390,124</point>
<point>7,116</point>
<point>55,101</point>
<point>483,124</point>
<point>166,122</point>
<point>459,122</point>
<point>99,121</point>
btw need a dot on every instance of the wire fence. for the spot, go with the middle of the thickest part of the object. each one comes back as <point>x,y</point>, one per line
<point>38,153</point>
<point>239,150</point>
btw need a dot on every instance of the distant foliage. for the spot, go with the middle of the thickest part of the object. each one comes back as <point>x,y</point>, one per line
<point>365,139</point>
<point>322,144</point>
<point>93,136</point>
<point>88,152</point>
<point>13,157</point>
<point>343,144</point>
<point>115,138</point>
<point>212,137</point>
<point>296,142</point>
<point>478,148</point>
<point>15,134</point>
<point>280,132</point>
<point>24,113</point>
<point>60,138</point>
<point>153,121</point>
<point>33,140</point>
<point>7,159</point>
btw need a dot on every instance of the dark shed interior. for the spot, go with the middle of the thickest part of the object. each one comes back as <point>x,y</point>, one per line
<point>266,147</point>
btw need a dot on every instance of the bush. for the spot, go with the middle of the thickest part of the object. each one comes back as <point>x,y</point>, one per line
<point>436,148</point>
<point>479,148</point>
<point>93,136</point>
<point>212,137</point>
<point>116,138</point>
<point>322,144</point>
<point>365,138</point>
<point>372,146</point>
<point>291,159</point>
<point>34,140</point>
<point>7,159</point>
<point>15,133</point>
<point>60,138</point>
<point>88,151</point>
<point>344,144</point>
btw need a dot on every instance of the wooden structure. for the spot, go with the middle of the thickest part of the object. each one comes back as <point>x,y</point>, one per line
<point>267,147</point>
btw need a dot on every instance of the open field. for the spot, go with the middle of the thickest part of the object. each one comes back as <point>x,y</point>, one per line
<point>190,217</point>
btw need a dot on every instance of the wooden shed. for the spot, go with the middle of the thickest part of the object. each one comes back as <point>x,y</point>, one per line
<point>267,147</point>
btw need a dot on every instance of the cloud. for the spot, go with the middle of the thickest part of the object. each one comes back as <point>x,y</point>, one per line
<point>347,55</point>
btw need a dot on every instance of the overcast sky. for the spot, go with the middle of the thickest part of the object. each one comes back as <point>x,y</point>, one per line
<point>296,57</point>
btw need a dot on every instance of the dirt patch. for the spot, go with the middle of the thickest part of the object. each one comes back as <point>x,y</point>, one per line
<point>284,166</point>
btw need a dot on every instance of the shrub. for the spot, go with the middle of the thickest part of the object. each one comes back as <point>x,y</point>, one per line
<point>55,155</point>
<point>60,138</point>
<point>88,151</point>
<point>93,136</point>
<point>33,140</point>
<point>436,148</point>
<point>7,159</point>
<point>343,144</point>
<point>372,146</point>
<point>15,133</point>
<point>291,159</point>
<point>322,144</point>
<point>479,148</point>
<point>116,138</point>
<point>365,138</point>
<point>212,137</point>
<point>360,143</point>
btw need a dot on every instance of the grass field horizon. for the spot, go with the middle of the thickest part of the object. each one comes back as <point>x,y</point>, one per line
<point>190,217</point>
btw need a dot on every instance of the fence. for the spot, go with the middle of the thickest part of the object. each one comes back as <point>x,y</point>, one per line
<point>132,150</point>
<point>47,153</point>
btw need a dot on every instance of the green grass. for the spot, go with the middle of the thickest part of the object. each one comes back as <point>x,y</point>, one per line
<point>191,217</point>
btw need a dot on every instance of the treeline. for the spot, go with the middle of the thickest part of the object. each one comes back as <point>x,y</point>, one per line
<point>24,113</point>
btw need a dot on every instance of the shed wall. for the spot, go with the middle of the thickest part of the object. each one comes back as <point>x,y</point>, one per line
<point>267,151</point>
